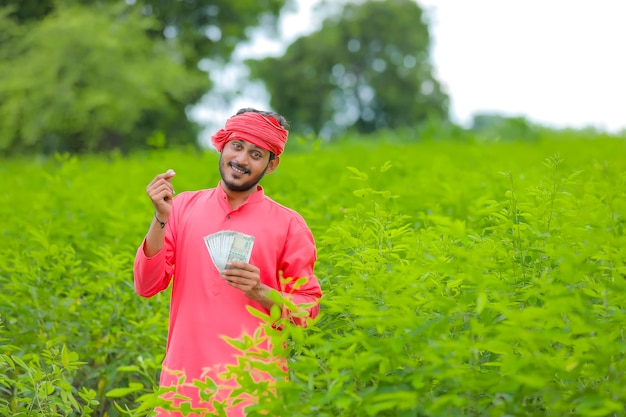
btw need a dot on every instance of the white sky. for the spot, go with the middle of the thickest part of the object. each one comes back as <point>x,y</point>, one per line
<point>557,62</point>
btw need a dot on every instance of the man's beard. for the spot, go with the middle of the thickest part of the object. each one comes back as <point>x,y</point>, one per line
<point>245,186</point>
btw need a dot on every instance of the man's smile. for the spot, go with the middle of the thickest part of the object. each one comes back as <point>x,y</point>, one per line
<point>238,168</point>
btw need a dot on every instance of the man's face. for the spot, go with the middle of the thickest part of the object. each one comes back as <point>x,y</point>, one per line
<point>242,165</point>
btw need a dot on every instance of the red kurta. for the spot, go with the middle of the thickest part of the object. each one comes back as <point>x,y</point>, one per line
<point>204,308</point>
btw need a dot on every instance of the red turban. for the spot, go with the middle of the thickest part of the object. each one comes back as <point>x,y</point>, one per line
<point>262,131</point>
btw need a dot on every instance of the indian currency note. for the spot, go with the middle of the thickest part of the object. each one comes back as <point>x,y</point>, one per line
<point>219,245</point>
<point>213,246</point>
<point>241,248</point>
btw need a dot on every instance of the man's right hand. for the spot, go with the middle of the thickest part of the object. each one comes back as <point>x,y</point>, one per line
<point>161,192</point>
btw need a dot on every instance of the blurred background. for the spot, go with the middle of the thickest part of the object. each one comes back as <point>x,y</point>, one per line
<point>96,75</point>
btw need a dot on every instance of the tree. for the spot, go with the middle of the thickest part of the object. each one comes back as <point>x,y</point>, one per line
<point>82,80</point>
<point>186,34</point>
<point>208,29</point>
<point>366,68</point>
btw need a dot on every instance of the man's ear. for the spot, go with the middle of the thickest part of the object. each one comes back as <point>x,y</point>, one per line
<point>272,164</point>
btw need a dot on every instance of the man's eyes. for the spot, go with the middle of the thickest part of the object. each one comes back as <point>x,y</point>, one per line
<point>255,154</point>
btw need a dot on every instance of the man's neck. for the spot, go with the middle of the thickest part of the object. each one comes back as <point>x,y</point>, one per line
<point>237,198</point>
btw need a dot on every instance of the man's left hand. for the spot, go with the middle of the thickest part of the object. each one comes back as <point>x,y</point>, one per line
<point>245,277</point>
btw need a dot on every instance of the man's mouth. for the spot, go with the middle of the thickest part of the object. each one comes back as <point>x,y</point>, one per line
<point>239,169</point>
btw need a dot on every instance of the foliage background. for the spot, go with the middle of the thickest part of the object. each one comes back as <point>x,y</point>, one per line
<point>85,76</point>
<point>367,68</point>
<point>461,278</point>
<point>92,75</point>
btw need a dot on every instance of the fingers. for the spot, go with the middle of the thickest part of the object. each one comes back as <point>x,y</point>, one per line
<point>161,192</point>
<point>167,175</point>
<point>242,275</point>
<point>238,271</point>
<point>161,178</point>
<point>242,266</point>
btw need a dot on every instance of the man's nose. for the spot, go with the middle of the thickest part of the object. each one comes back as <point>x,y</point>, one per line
<point>242,158</point>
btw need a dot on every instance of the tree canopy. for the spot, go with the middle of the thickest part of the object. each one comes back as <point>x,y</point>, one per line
<point>82,75</point>
<point>366,68</point>
<point>83,81</point>
<point>206,28</point>
<point>88,75</point>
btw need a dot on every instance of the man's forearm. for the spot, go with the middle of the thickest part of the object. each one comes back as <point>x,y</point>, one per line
<point>261,296</point>
<point>155,239</point>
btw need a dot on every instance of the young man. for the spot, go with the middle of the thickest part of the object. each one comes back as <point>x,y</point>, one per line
<point>209,301</point>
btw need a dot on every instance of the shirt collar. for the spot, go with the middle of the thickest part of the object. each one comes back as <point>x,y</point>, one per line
<point>252,198</point>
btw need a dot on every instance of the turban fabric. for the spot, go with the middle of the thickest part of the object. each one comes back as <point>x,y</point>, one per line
<point>262,131</point>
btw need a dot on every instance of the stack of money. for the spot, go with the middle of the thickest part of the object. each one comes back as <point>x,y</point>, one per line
<point>227,246</point>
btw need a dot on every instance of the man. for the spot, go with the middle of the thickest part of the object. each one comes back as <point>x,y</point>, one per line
<point>209,302</point>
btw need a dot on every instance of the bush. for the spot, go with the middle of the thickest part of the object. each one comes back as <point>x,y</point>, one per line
<point>460,279</point>
<point>84,79</point>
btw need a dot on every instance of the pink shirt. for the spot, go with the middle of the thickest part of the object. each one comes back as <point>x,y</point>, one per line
<point>203,306</point>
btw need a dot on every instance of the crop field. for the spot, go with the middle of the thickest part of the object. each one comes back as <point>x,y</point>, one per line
<point>460,279</point>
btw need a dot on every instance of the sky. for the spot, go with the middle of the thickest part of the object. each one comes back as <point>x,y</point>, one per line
<point>560,63</point>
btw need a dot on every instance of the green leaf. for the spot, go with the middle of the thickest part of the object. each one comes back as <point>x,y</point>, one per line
<point>359,175</point>
<point>481,302</point>
<point>128,368</point>
<point>386,166</point>
<point>121,392</point>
